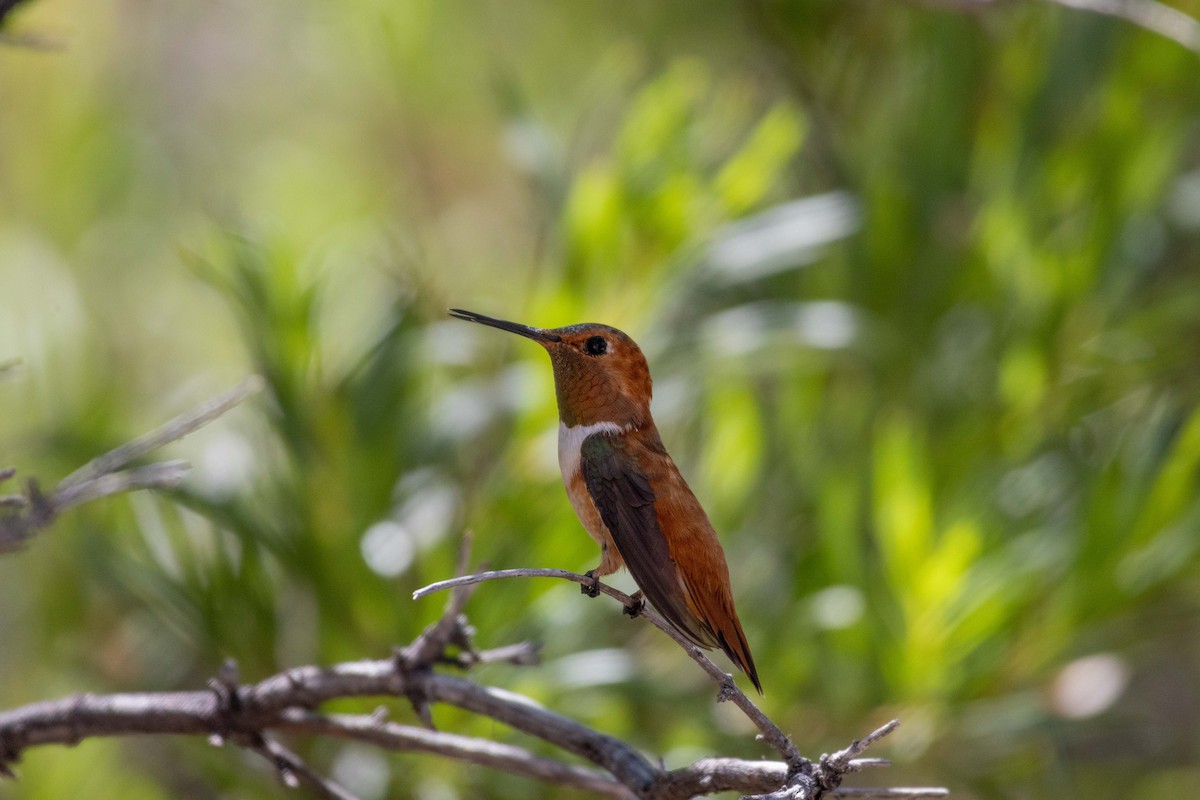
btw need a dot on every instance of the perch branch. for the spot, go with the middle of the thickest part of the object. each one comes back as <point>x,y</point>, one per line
<point>104,476</point>
<point>800,778</point>
<point>247,714</point>
<point>729,691</point>
<point>253,709</point>
<point>284,702</point>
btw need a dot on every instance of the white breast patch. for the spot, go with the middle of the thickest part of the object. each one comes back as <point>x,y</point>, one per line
<point>570,442</point>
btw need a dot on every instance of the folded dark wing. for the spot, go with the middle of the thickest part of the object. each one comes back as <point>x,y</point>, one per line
<point>625,500</point>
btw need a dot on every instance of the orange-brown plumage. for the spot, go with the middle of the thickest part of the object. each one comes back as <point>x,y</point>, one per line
<point>627,491</point>
<point>696,551</point>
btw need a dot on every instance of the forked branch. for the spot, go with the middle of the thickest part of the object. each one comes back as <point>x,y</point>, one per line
<point>33,510</point>
<point>798,778</point>
<point>247,715</point>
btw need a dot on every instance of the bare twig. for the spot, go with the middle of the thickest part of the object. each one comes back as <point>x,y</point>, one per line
<point>293,771</point>
<point>450,628</point>
<point>154,476</point>
<point>508,758</point>
<point>283,702</point>
<point>826,776</point>
<point>266,705</point>
<point>101,477</point>
<point>172,431</point>
<point>245,714</point>
<point>729,690</point>
<point>796,778</point>
<point>842,760</point>
<point>900,793</point>
<point>1152,15</point>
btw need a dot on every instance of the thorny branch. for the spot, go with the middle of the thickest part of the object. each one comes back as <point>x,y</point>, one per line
<point>104,476</point>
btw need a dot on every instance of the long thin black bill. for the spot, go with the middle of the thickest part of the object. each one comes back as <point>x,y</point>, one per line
<point>537,334</point>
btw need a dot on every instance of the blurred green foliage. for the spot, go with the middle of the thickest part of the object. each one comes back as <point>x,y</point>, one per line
<point>920,290</point>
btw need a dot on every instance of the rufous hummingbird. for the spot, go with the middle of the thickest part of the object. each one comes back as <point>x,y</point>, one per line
<point>625,488</point>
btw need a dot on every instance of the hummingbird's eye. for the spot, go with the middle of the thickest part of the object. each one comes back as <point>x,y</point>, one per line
<point>596,346</point>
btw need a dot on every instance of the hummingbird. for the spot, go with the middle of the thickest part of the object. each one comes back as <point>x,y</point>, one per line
<point>627,491</point>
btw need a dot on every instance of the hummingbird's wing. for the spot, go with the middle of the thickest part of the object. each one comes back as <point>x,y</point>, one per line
<point>689,585</point>
<point>625,500</point>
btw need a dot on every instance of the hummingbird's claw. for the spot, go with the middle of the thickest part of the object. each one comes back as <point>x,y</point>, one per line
<point>636,603</point>
<point>591,589</point>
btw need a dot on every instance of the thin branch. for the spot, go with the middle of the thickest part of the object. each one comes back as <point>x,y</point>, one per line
<point>103,476</point>
<point>450,628</point>
<point>801,779</point>
<point>713,775</point>
<point>900,793</point>
<point>827,776</point>
<point>261,706</point>
<point>293,771</point>
<point>729,690</point>
<point>165,475</point>
<point>506,757</point>
<point>524,572</point>
<point>622,760</point>
<point>283,702</point>
<point>1151,15</point>
<point>172,431</point>
<point>842,759</point>
<point>244,714</point>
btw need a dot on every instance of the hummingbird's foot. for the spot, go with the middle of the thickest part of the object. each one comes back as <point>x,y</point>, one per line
<point>591,589</point>
<point>636,603</point>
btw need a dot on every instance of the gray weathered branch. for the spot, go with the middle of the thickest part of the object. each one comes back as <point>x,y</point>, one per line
<point>104,476</point>
<point>247,714</point>
<point>284,702</point>
<point>1151,15</point>
<point>729,690</point>
<point>801,779</point>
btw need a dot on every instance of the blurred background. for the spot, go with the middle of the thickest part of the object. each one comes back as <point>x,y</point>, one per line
<point>920,290</point>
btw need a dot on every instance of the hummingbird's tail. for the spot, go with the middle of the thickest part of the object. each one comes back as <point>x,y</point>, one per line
<point>738,650</point>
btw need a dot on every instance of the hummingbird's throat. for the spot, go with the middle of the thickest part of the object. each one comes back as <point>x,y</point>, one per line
<point>588,395</point>
<point>595,400</point>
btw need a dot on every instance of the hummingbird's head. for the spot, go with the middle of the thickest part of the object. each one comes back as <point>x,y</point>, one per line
<point>600,374</point>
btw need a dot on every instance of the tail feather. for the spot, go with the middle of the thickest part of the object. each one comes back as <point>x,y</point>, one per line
<point>738,651</point>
